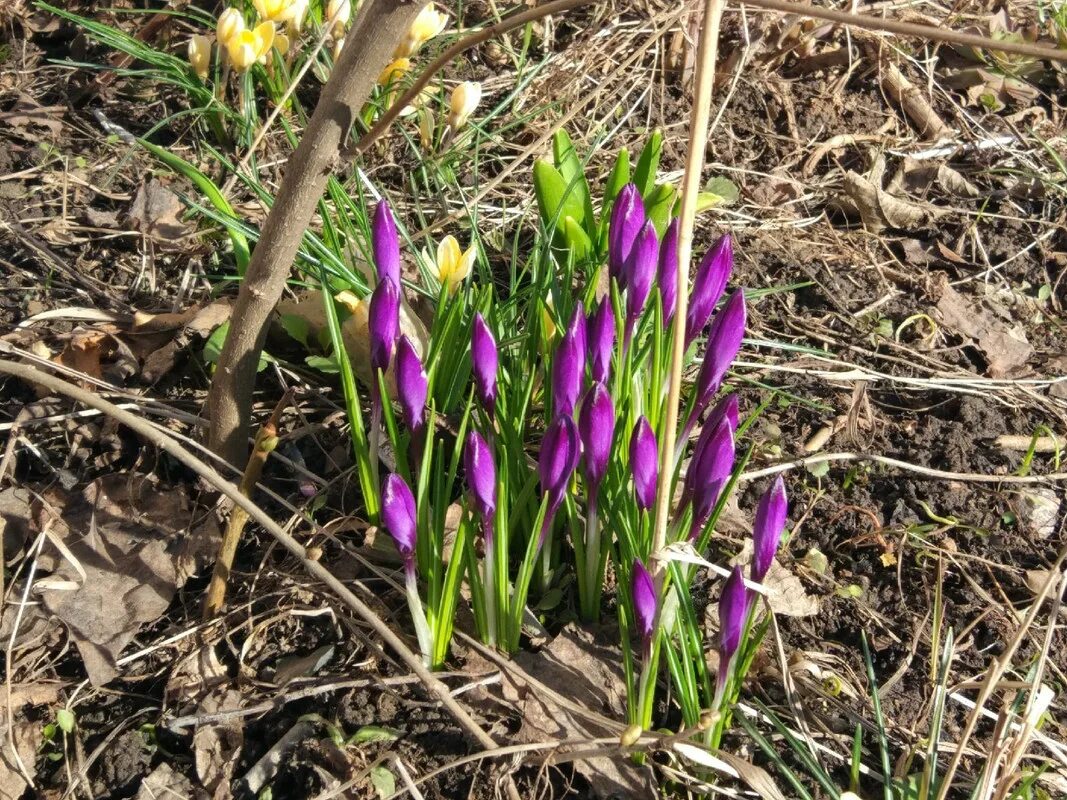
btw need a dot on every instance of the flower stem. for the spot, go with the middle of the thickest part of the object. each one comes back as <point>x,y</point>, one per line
<point>590,589</point>
<point>418,616</point>
<point>488,581</point>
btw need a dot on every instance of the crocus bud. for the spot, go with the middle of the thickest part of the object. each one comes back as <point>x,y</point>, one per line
<point>230,23</point>
<point>601,333</point>
<point>485,360</point>
<point>644,463</point>
<point>461,104</point>
<point>394,71</point>
<point>641,270</point>
<point>713,461</point>
<point>767,528</point>
<point>560,451</point>
<point>567,368</point>
<point>200,55</point>
<point>481,474</point>
<point>411,385</point>
<point>725,409</point>
<point>428,24</point>
<point>643,592</point>
<point>338,12</point>
<point>627,218</point>
<point>708,286</point>
<point>724,340</point>
<point>577,325</point>
<point>667,275</point>
<point>398,514</point>
<point>383,323</point>
<point>386,244</point>
<point>733,605</point>
<point>596,424</point>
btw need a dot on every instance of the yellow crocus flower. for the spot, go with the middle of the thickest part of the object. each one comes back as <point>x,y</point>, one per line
<point>428,24</point>
<point>396,70</point>
<point>274,10</point>
<point>200,55</point>
<point>453,266</point>
<point>250,45</point>
<point>230,24</point>
<point>464,100</point>
<point>338,12</point>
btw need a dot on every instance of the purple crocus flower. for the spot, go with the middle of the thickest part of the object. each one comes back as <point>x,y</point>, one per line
<point>643,592</point>
<point>724,341</point>
<point>567,368</point>
<point>713,461</point>
<point>767,528</point>
<point>725,409</point>
<point>384,323</point>
<point>481,475</point>
<point>733,606</point>
<point>398,515</point>
<point>411,385</point>
<point>485,360</point>
<point>560,451</point>
<point>708,286</point>
<point>578,325</point>
<point>386,244</point>
<point>644,463</point>
<point>627,217</point>
<point>667,275</point>
<point>601,341</point>
<point>640,272</point>
<point>596,425</point>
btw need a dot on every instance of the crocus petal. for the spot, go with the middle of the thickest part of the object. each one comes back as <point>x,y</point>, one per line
<point>567,367</point>
<point>398,514</point>
<point>708,286</point>
<point>596,424</point>
<point>577,325</point>
<point>725,409</point>
<point>601,329</point>
<point>643,592</point>
<point>644,463</point>
<point>481,474</point>
<point>767,528</point>
<point>724,341</point>
<point>485,361</point>
<point>411,384</point>
<point>627,218</point>
<point>560,451</point>
<point>733,605</point>
<point>384,323</point>
<point>667,274</point>
<point>641,269</point>
<point>712,463</point>
<point>386,244</point>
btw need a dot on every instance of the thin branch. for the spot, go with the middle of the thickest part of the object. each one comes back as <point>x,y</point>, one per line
<point>167,444</point>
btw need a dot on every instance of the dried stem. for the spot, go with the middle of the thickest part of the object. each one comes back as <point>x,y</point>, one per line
<point>266,440</point>
<point>698,143</point>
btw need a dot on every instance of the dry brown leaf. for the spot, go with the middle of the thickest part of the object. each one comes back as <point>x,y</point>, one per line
<point>1005,347</point>
<point>127,534</point>
<point>589,675</point>
<point>28,118</point>
<point>84,353</point>
<point>161,339</point>
<point>217,746</point>
<point>28,737</point>
<point>163,783</point>
<point>992,90</point>
<point>156,212</point>
<point>919,177</point>
<point>880,210</point>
